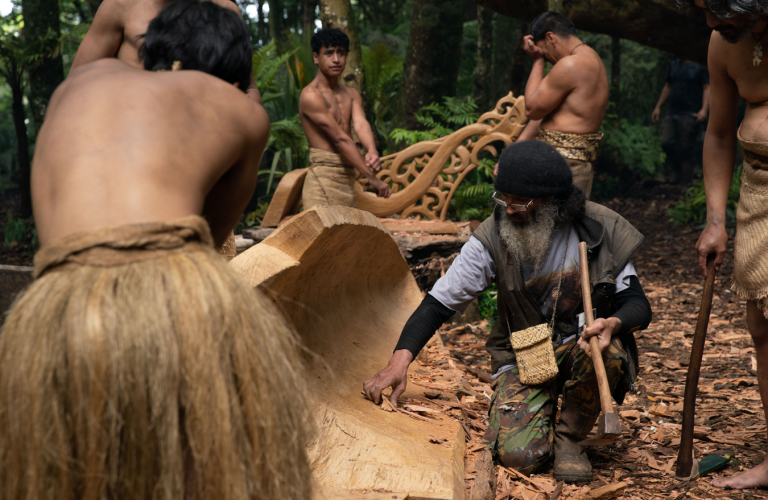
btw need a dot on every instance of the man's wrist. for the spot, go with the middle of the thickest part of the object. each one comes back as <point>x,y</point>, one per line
<point>402,356</point>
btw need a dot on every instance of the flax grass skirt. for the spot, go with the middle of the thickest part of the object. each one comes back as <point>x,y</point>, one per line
<point>167,378</point>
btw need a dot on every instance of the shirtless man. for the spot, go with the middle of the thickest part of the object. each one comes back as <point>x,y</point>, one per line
<point>328,109</point>
<point>567,106</point>
<point>117,28</point>
<point>138,363</point>
<point>737,68</point>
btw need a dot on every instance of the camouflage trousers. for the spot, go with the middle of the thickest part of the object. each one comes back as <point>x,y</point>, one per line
<point>520,432</point>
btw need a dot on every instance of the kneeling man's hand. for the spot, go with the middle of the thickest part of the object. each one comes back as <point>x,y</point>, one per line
<point>395,375</point>
<point>604,329</point>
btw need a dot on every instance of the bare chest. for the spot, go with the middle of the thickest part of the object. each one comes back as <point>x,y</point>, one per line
<point>340,106</point>
<point>748,67</point>
<point>136,24</point>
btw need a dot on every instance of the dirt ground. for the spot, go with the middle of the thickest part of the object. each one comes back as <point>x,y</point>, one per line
<point>729,416</point>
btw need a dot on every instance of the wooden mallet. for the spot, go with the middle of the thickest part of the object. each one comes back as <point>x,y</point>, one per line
<point>608,423</point>
<point>685,453</point>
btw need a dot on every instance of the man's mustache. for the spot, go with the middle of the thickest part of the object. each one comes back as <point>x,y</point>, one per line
<point>725,27</point>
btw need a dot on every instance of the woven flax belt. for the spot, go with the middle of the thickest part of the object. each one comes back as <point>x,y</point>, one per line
<point>581,147</point>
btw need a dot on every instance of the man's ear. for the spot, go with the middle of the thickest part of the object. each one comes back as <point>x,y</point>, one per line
<point>314,57</point>
<point>552,38</point>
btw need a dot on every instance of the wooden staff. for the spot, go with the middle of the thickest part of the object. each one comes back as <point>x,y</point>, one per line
<point>685,454</point>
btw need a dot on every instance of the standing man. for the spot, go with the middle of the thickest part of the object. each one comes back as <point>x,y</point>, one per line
<point>738,68</point>
<point>567,106</point>
<point>138,364</point>
<point>529,248</point>
<point>117,31</point>
<point>328,109</point>
<point>687,89</point>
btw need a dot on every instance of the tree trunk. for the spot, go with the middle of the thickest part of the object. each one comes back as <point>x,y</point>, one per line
<point>22,145</point>
<point>93,6</point>
<point>506,38</point>
<point>308,20</point>
<point>41,25</point>
<point>276,24</point>
<point>431,67</point>
<point>262,26</point>
<point>655,23</point>
<point>338,14</point>
<point>615,95</point>
<point>484,67</point>
<point>517,79</point>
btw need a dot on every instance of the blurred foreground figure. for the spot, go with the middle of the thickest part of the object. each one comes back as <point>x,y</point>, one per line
<point>567,106</point>
<point>138,364</point>
<point>737,68</point>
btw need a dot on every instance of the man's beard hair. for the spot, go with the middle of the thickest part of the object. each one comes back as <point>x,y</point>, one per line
<point>529,241</point>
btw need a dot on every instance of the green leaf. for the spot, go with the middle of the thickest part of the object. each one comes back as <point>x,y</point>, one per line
<point>713,463</point>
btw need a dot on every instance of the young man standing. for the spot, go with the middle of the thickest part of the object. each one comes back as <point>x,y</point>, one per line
<point>138,364</point>
<point>328,110</point>
<point>737,68</point>
<point>567,106</point>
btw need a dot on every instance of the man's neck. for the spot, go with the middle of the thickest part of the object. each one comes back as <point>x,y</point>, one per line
<point>324,81</point>
<point>568,46</point>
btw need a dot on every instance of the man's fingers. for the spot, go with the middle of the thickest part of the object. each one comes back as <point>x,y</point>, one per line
<point>397,392</point>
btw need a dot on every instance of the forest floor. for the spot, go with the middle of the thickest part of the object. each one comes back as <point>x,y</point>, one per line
<point>729,416</point>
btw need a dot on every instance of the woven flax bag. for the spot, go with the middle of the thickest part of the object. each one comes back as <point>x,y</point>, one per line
<point>533,346</point>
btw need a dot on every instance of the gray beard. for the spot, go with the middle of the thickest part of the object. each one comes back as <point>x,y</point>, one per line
<point>529,241</point>
<point>736,35</point>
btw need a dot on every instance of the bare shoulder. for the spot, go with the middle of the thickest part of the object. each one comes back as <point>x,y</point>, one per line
<point>353,93</point>
<point>228,4</point>
<point>311,100</point>
<point>719,49</point>
<point>114,11</point>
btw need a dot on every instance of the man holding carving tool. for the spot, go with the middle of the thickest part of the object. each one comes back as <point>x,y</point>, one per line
<point>738,68</point>
<point>529,248</point>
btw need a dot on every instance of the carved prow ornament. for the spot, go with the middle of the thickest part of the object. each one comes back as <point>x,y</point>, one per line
<point>414,174</point>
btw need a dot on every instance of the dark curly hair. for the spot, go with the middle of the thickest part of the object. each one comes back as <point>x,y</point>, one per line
<point>723,9</point>
<point>552,22</point>
<point>571,205</point>
<point>202,36</point>
<point>332,37</point>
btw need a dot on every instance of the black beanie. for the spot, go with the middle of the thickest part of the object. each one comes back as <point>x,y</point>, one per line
<point>533,169</point>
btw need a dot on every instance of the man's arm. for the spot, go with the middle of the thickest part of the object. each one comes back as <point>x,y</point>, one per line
<point>702,114</point>
<point>544,94</point>
<point>227,199</point>
<point>364,132</point>
<point>314,108</point>
<point>662,100</point>
<point>719,153</point>
<point>530,131</point>
<point>471,272</point>
<point>104,36</point>
<point>633,313</point>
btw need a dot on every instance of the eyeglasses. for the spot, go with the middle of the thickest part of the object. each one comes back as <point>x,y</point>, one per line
<point>503,204</point>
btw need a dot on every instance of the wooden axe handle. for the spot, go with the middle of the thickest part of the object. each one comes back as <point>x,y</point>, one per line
<point>685,453</point>
<point>594,343</point>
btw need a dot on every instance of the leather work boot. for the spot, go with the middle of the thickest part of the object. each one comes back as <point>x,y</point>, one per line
<point>571,461</point>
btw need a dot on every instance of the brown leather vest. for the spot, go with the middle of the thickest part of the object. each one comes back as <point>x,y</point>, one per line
<point>610,239</point>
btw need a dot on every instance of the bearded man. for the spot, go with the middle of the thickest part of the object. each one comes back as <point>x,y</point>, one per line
<point>529,248</point>
<point>737,68</point>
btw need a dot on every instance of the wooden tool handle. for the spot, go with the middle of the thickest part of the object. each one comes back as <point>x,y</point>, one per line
<point>685,453</point>
<point>594,343</point>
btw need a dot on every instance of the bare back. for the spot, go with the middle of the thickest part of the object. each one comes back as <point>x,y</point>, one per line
<point>734,75</point>
<point>117,29</point>
<point>337,102</point>
<point>585,100</point>
<point>124,146</point>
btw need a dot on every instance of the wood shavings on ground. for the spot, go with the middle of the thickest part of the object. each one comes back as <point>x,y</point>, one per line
<point>641,464</point>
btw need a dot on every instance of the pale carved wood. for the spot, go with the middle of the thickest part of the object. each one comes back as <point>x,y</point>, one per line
<point>423,177</point>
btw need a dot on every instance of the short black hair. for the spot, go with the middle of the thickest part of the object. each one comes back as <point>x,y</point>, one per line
<point>332,37</point>
<point>552,22</point>
<point>202,36</point>
<point>723,9</point>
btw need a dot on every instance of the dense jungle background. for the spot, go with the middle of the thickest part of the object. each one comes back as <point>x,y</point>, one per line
<point>425,68</point>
